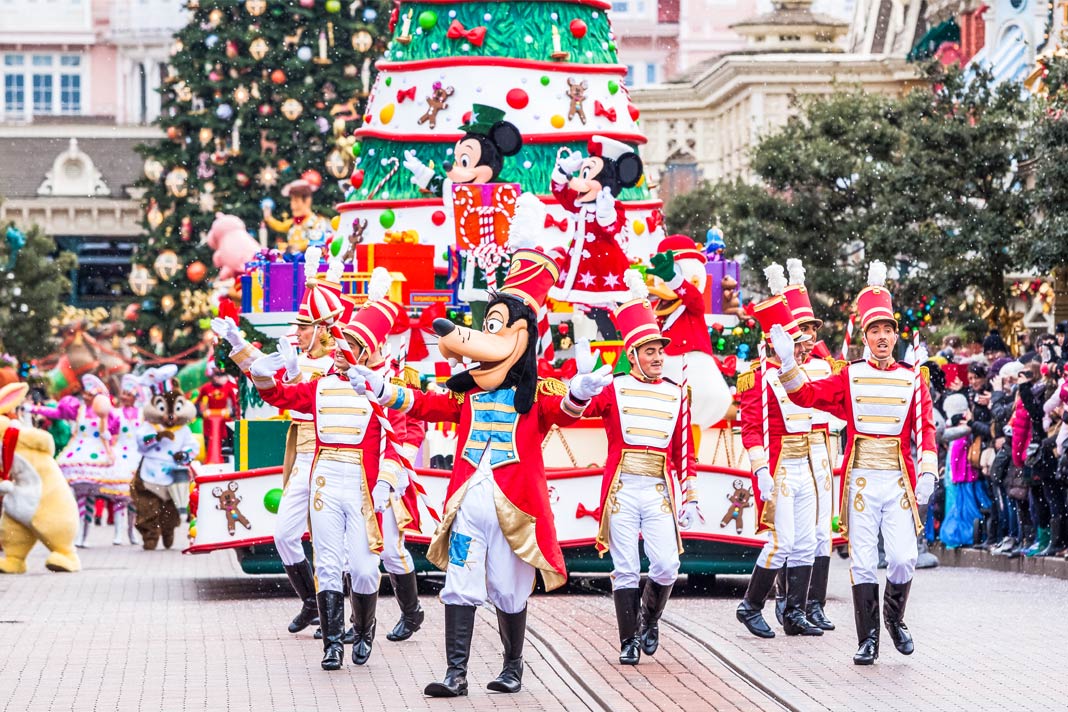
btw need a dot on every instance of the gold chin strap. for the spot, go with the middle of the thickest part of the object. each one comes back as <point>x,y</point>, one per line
<point>636,369</point>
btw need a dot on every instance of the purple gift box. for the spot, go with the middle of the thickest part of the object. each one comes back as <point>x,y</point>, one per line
<point>283,286</point>
<point>716,272</point>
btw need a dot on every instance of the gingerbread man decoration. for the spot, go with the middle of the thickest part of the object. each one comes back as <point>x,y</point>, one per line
<point>576,92</point>
<point>740,499</point>
<point>437,101</point>
<point>228,501</point>
<point>358,226</point>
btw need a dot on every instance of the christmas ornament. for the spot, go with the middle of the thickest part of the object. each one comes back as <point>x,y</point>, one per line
<point>633,111</point>
<point>241,95</point>
<point>182,92</point>
<point>256,7</point>
<point>141,280</point>
<point>334,7</point>
<point>258,49</point>
<point>308,4</point>
<point>369,14</point>
<point>205,135</point>
<point>578,28</point>
<point>167,264</point>
<point>362,41</point>
<point>177,182</point>
<point>266,110</point>
<point>196,271</point>
<point>174,133</point>
<point>215,17</point>
<point>231,49</point>
<point>224,111</point>
<point>278,76</point>
<point>154,215</point>
<point>336,164</point>
<point>292,109</point>
<point>166,303</point>
<point>386,114</point>
<point>613,87</point>
<point>186,229</point>
<point>211,40</point>
<point>356,148</point>
<point>438,217</point>
<point>304,54</point>
<point>206,201</point>
<point>517,99</point>
<point>557,121</point>
<point>387,218</point>
<point>243,180</point>
<point>153,169</point>
<point>267,177</point>
<point>427,20</point>
<point>356,179</point>
<point>314,177</point>
<point>273,498</point>
<point>544,81</point>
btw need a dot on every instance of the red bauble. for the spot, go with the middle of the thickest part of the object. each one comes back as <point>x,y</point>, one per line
<point>356,179</point>
<point>564,329</point>
<point>196,271</point>
<point>633,111</point>
<point>517,99</point>
<point>242,179</point>
<point>367,118</point>
<point>266,110</point>
<point>173,133</point>
<point>438,218</point>
<point>131,312</point>
<point>278,76</point>
<point>467,117</point>
<point>578,28</point>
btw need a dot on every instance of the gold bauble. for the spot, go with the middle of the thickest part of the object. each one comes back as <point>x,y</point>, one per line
<point>215,17</point>
<point>256,7</point>
<point>205,135</point>
<point>141,280</point>
<point>362,41</point>
<point>292,109</point>
<point>167,264</point>
<point>166,303</point>
<point>336,165</point>
<point>258,49</point>
<point>241,95</point>
<point>178,182</point>
<point>153,169</point>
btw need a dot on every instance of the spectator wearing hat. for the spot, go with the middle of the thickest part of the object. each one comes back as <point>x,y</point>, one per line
<point>994,347</point>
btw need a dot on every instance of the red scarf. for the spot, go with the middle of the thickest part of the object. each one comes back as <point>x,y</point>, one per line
<point>7,452</point>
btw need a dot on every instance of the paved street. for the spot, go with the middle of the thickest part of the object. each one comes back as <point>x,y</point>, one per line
<point>158,630</point>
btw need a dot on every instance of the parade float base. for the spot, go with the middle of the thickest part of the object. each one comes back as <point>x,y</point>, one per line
<point>576,458</point>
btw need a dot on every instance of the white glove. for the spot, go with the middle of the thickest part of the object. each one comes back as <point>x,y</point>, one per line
<point>783,344</point>
<point>585,386</point>
<point>569,163</point>
<point>689,514</point>
<point>766,483</point>
<point>380,495</point>
<point>365,381</point>
<point>584,359</point>
<point>289,357</point>
<point>227,329</point>
<point>606,207</point>
<point>421,173</point>
<point>924,487</point>
<point>267,366</point>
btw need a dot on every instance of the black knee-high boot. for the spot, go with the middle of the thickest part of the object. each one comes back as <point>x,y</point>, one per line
<point>459,628</point>
<point>513,629</point>
<point>406,589</point>
<point>332,621</point>
<point>866,616</point>
<point>654,598</point>
<point>302,579</point>
<point>750,609</point>
<point>894,601</point>
<point>817,593</point>
<point>627,602</point>
<point>363,623</point>
<point>794,620</point>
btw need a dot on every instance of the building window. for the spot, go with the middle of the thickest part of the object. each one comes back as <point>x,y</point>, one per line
<point>630,8</point>
<point>650,73</point>
<point>629,78</point>
<point>54,83</point>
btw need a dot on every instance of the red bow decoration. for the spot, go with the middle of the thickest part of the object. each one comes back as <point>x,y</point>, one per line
<point>560,224</point>
<point>581,511</point>
<point>403,94</point>
<point>599,110</point>
<point>417,350</point>
<point>728,365</point>
<point>655,220</point>
<point>475,35</point>
<point>565,372</point>
<point>394,15</point>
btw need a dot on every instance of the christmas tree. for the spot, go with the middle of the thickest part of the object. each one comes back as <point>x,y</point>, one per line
<point>33,286</point>
<point>260,94</point>
<point>550,67</point>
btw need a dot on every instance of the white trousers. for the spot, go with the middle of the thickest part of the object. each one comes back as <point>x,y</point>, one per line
<point>821,468</point>
<point>644,508</point>
<point>879,501</point>
<point>793,540</point>
<point>339,528</point>
<point>395,556</point>
<point>481,561</point>
<point>292,519</point>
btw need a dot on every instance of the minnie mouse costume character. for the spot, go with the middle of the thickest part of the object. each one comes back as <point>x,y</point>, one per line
<point>596,262</point>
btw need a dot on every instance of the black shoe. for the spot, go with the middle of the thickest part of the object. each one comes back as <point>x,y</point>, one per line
<point>866,616</point>
<point>780,594</point>
<point>817,593</point>
<point>513,629</point>
<point>459,627</point>
<point>654,599</point>
<point>303,581</point>
<point>1056,537</point>
<point>406,589</point>
<point>749,610</point>
<point>363,614</point>
<point>332,620</point>
<point>627,602</point>
<point>349,638</point>
<point>318,634</point>
<point>894,601</point>
<point>794,620</point>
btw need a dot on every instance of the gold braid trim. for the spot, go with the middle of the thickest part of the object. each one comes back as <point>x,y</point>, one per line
<point>925,374</point>
<point>747,380</point>
<point>458,397</point>
<point>837,364</point>
<point>412,377</point>
<point>551,387</point>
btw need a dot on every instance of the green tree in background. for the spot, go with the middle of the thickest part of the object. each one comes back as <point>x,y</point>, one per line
<point>259,95</point>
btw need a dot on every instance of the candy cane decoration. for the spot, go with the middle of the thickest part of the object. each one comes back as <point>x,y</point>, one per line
<point>326,307</point>
<point>762,349</point>
<point>848,337</point>
<point>917,409</point>
<point>393,171</point>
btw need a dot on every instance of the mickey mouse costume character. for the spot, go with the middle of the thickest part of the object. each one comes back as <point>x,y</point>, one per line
<point>888,414</point>
<point>497,530</point>
<point>596,262</point>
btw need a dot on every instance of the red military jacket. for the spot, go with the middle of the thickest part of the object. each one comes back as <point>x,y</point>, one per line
<point>648,427</point>
<point>876,403</point>
<point>525,515</point>
<point>685,326</point>
<point>215,400</point>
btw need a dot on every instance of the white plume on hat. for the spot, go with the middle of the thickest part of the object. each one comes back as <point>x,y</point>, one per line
<point>877,274</point>
<point>528,223</point>
<point>379,283</point>
<point>796,270</point>
<point>311,262</point>
<point>636,284</point>
<point>776,277</point>
<point>335,268</point>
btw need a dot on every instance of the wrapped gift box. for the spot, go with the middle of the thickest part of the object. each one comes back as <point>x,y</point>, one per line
<point>252,291</point>
<point>283,286</point>
<point>259,443</point>
<point>482,210</point>
<point>415,262</point>
<point>714,291</point>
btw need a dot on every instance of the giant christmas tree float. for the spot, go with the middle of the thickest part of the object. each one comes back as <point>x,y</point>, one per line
<point>550,67</point>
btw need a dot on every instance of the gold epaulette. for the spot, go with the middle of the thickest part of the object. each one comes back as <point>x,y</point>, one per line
<point>398,381</point>
<point>747,380</point>
<point>836,364</point>
<point>551,387</point>
<point>689,394</point>
<point>458,397</point>
<point>925,374</point>
<point>412,377</point>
